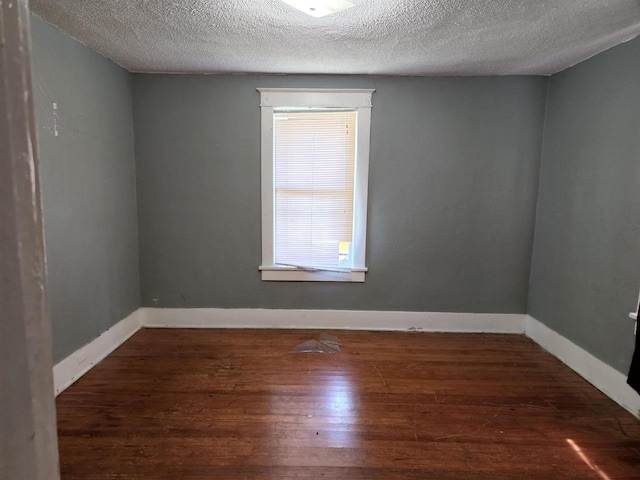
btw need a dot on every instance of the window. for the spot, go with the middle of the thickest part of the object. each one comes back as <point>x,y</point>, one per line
<point>315,165</point>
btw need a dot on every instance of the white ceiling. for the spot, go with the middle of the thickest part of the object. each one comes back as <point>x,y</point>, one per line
<point>376,37</point>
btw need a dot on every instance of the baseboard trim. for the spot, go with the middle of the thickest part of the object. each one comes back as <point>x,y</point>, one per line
<point>81,361</point>
<point>605,378</point>
<point>332,319</point>
<point>69,370</point>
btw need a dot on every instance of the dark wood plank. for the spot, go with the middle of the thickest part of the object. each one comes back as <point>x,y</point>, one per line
<point>236,404</point>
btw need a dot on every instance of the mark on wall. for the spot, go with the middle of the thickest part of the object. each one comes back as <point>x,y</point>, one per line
<point>55,119</point>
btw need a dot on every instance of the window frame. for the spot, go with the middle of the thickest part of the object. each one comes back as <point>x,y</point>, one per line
<point>356,99</point>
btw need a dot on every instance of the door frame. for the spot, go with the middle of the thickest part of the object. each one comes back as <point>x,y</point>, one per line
<point>28,434</point>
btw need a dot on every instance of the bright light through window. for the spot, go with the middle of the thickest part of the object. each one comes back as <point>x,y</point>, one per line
<point>315,164</point>
<point>314,156</point>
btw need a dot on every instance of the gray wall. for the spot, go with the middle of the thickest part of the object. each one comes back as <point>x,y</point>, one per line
<point>88,187</point>
<point>453,185</point>
<point>586,258</point>
<point>452,188</point>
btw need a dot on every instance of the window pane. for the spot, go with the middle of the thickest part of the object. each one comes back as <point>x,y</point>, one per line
<point>314,154</point>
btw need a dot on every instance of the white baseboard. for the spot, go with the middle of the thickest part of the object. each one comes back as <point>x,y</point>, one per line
<point>602,376</point>
<point>332,319</point>
<point>605,378</point>
<point>81,361</point>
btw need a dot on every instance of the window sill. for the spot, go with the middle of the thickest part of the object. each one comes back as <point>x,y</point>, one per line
<point>292,274</point>
<point>633,315</point>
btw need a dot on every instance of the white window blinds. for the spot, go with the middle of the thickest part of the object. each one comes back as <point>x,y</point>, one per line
<point>315,156</point>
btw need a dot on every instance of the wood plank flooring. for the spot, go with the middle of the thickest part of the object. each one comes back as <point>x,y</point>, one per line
<point>236,404</point>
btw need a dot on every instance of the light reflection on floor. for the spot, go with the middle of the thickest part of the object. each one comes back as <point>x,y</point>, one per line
<point>331,417</point>
<point>586,460</point>
<point>338,405</point>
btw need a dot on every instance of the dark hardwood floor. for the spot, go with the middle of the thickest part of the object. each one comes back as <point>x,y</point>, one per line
<point>235,404</point>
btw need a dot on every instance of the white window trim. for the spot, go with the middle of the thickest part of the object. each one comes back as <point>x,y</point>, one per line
<point>359,99</point>
<point>634,316</point>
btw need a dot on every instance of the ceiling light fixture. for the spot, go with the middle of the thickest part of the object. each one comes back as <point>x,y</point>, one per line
<point>319,8</point>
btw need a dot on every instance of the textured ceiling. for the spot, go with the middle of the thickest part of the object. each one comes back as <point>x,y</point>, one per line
<point>376,37</point>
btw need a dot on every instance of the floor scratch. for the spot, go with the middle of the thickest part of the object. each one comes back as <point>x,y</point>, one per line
<point>470,432</point>
<point>622,429</point>
<point>552,405</point>
<point>384,383</point>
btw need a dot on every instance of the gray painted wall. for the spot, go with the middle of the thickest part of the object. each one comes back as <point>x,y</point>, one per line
<point>586,258</point>
<point>453,185</point>
<point>452,189</point>
<point>88,187</point>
